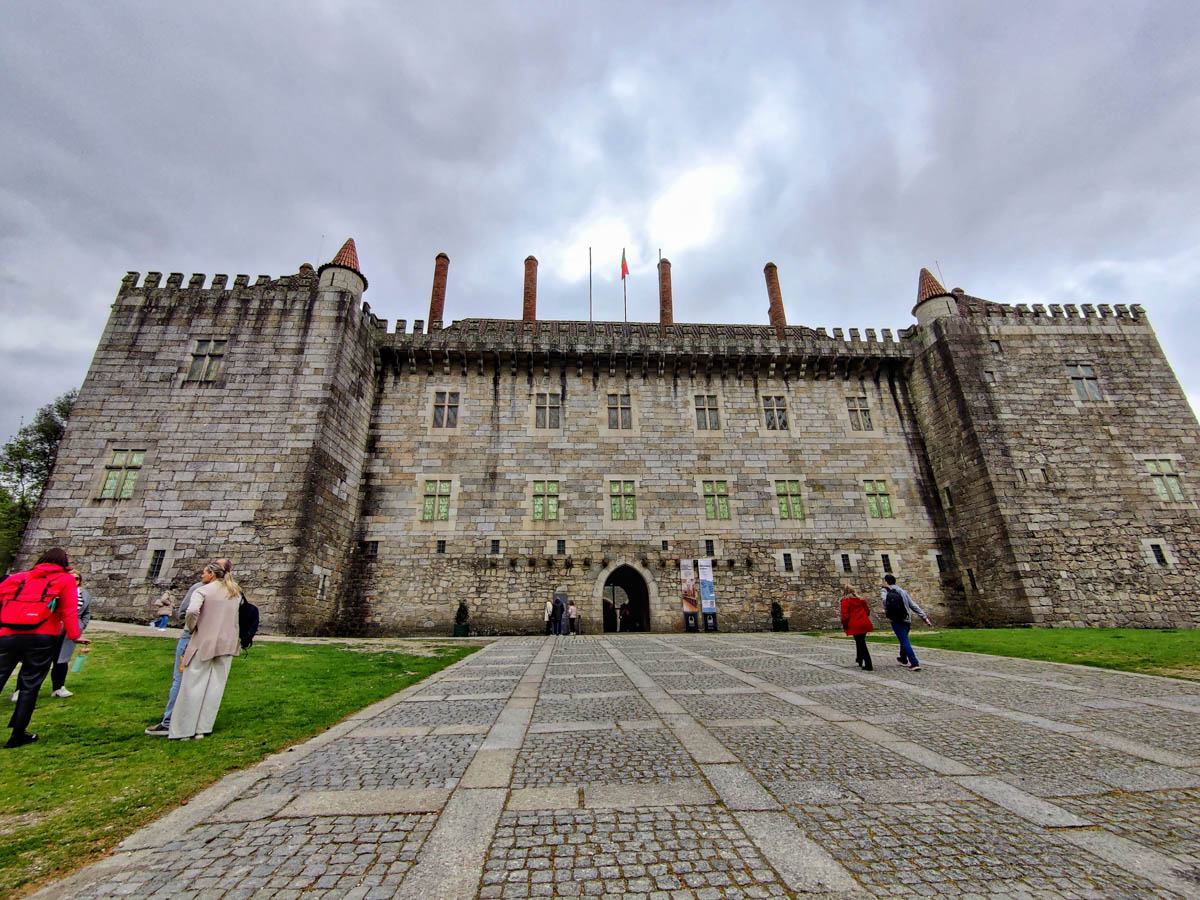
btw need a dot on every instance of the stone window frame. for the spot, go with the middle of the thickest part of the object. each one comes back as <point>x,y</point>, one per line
<point>1034,475</point>
<point>166,570</point>
<point>639,500</point>
<point>858,413</point>
<point>895,560</point>
<point>773,491</point>
<point>938,571</point>
<point>717,521</point>
<point>856,562</point>
<point>1162,482</point>
<point>212,367</point>
<point>635,428</point>
<point>797,561</point>
<point>1148,545</point>
<point>553,407</point>
<point>435,524</point>
<point>989,376</point>
<point>1084,385</point>
<point>108,464</point>
<point>702,550</point>
<point>443,432</point>
<point>761,399</point>
<point>889,492</point>
<point>708,411</point>
<point>528,521</point>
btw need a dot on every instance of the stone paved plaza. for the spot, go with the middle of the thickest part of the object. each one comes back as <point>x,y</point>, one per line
<point>673,766</point>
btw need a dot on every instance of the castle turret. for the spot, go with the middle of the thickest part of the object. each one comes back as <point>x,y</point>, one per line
<point>342,274</point>
<point>933,300</point>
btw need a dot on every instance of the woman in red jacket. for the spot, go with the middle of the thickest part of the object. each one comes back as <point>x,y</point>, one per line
<point>856,621</point>
<point>35,608</point>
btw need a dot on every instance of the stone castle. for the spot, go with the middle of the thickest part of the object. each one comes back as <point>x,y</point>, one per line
<point>1010,464</point>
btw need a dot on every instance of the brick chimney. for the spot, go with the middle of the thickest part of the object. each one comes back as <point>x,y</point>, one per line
<point>775,312</point>
<point>529,309</point>
<point>665,314</point>
<point>437,301</point>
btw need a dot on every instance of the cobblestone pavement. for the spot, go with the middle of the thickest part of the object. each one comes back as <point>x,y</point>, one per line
<point>666,767</point>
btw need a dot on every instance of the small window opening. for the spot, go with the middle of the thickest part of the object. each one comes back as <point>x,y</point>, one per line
<point>708,548</point>
<point>887,563</point>
<point>562,548</point>
<point>846,563</point>
<point>1156,549</point>
<point>370,548</point>
<point>949,499</point>
<point>996,347</point>
<point>787,562</point>
<point>441,546</point>
<point>495,546</point>
<point>971,578</point>
<point>941,563</point>
<point>666,545</point>
<point>156,564</point>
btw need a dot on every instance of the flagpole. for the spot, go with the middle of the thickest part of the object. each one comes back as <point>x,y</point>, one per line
<point>625,289</point>
<point>589,284</point>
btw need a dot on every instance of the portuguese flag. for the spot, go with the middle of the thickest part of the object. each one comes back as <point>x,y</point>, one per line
<point>624,265</point>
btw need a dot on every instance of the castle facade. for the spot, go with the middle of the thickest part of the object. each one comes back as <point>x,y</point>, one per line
<point>1008,464</point>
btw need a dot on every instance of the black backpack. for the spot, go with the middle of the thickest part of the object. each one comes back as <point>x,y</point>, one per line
<point>247,622</point>
<point>893,605</point>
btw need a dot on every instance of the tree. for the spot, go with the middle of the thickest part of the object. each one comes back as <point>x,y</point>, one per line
<point>26,462</point>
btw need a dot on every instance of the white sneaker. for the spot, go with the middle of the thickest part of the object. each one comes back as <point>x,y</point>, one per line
<point>62,692</point>
<point>16,696</point>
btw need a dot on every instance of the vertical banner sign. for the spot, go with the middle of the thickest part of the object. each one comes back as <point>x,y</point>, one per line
<point>689,593</point>
<point>708,596</point>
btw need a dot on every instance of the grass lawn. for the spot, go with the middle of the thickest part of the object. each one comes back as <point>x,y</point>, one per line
<point>93,778</point>
<point>1171,652</point>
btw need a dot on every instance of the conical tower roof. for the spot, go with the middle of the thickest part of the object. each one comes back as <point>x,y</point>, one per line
<point>347,258</point>
<point>928,286</point>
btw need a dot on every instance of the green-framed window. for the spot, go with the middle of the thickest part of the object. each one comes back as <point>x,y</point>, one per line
<point>716,499</point>
<point>545,501</point>
<point>121,474</point>
<point>1166,480</point>
<point>435,506</point>
<point>879,501</point>
<point>787,495</point>
<point>622,499</point>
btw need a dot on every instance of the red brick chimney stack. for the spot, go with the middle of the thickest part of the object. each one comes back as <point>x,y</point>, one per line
<point>778,319</point>
<point>437,301</point>
<point>665,314</point>
<point>529,310</point>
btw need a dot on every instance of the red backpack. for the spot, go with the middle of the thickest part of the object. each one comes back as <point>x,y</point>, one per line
<point>23,602</point>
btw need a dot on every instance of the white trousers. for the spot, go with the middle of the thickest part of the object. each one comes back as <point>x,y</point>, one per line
<point>199,696</point>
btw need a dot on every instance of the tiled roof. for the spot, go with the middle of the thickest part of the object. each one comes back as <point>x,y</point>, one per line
<point>928,286</point>
<point>347,256</point>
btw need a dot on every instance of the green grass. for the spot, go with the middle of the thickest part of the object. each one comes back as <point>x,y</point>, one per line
<point>1170,652</point>
<point>93,777</point>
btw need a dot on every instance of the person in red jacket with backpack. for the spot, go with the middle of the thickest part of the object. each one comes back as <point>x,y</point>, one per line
<point>35,607</point>
<point>856,622</point>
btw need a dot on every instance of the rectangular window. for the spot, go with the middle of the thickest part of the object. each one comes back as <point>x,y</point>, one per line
<point>707,417</point>
<point>887,562</point>
<point>971,578</point>
<point>436,506</point>
<point>1083,378</point>
<point>547,411</point>
<point>787,495</point>
<point>941,562</point>
<point>949,499</point>
<point>621,497</point>
<point>708,549</point>
<point>561,547</point>
<point>989,376</point>
<point>495,546</point>
<point>445,409</point>
<point>370,548</point>
<point>1166,480</point>
<point>206,361</point>
<point>787,562</point>
<point>620,412</point>
<point>775,411</point>
<point>156,564</point>
<point>666,545</point>
<point>121,474</point>
<point>716,500</point>
<point>545,501</point>
<point>860,415</point>
<point>441,546</point>
<point>1156,549</point>
<point>846,563</point>
<point>996,348</point>
<point>879,501</point>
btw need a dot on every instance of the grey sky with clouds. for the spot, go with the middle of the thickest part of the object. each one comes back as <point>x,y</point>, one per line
<point>1039,152</point>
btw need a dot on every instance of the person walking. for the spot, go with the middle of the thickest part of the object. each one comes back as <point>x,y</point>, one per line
<point>856,622</point>
<point>163,727</point>
<point>212,617</point>
<point>162,611</point>
<point>36,607</point>
<point>58,672</point>
<point>573,617</point>
<point>549,611</point>
<point>899,607</point>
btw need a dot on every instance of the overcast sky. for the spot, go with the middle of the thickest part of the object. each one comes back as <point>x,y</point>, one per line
<point>1035,151</point>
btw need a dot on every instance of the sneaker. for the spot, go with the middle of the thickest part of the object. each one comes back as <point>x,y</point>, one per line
<point>915,668</point>
<point>16,696</point>
<point>159,730</point>
<point>197,737</point>
<point>62,692</point>
<point>22,740</point>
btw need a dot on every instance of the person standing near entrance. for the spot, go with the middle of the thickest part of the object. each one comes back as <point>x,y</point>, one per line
<point>898,606</point>
<point>856,622</point>
<point>573,617</point>
<point>547,614</point>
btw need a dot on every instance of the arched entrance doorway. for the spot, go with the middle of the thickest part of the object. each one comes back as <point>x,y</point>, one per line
<point>626,601</point>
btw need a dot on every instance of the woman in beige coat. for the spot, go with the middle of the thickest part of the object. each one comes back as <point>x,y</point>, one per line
<point>212,616</point>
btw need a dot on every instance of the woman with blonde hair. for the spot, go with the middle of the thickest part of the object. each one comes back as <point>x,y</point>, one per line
<point>212,616</point>
<point>856,622</point>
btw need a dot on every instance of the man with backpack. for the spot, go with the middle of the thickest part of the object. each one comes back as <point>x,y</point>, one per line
<point>898,606</point>
<point>35,607</point>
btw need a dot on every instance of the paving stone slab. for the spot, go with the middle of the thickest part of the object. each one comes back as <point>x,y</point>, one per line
<point>364,802</point>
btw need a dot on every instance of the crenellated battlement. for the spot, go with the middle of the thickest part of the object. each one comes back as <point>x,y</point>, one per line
<point>1052,314</point>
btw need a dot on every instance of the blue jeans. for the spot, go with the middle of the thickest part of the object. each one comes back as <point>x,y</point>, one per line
<point>177,678</point>
<point>161,622</point>
<point>906,651</point>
